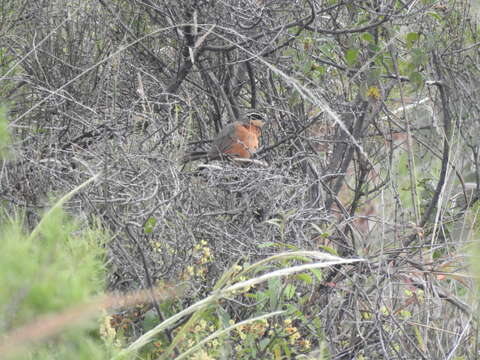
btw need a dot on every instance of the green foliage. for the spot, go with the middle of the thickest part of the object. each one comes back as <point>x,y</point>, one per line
<point>48,274</point>
<point>60,265</point>
<point>351,57</point>
<point>76,344</point>
<point>213,332</point>
<point>412,37</point>
<point>368,37</point>
<point>149,225</point>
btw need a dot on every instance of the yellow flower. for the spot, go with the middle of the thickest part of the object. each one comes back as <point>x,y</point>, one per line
<point>215,343</point>
<point>305,344</point>
<point>236,268</point>
<point>202,323</point>
<point>290,329</point>
<point>202,355</point>
<point>106,329</point>
<point>201,272</point>
<point>373,93</point>
<point>294,337</point>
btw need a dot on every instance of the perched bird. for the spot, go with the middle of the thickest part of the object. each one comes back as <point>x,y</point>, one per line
<point>239,139</point>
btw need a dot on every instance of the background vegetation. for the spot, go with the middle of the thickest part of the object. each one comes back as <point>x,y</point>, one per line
<point>372,168</point>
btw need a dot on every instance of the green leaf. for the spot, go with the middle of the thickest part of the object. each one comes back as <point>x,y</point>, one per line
<point>305,278</point>
<point>317,273</point>
<point>416,78</point>
<point>274,287</point>
<point>368,37</point>
<point>412,38</point>
<point>351,56</point>
<point>264,343</point>
<point>277,351</point>
<point>149,225</point>
<point>434,15</point>
<point>266,245</point>
<point>223,316</point>
<point>290,291</point>
<point>286,348</point>
<point>318,68</point>
<point>290,246</point>
<point>150,320</point>
<point>419,57</point>
<point>419,337</point>
<point>329,249</point>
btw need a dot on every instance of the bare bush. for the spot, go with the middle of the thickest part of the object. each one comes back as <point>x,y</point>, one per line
<point>371,147</point>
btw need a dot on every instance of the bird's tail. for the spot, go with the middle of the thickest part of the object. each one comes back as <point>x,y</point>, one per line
<point>194,155</point>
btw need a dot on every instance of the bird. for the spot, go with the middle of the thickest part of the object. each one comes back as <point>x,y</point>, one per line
<point>239,139</point>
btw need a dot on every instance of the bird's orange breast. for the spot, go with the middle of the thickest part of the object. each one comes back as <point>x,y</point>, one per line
<point>247,141</point>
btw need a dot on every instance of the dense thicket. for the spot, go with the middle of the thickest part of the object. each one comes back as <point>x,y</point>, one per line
<point>371,147</point>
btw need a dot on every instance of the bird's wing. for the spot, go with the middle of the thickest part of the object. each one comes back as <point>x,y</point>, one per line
<point>224,140</point>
